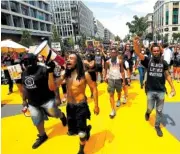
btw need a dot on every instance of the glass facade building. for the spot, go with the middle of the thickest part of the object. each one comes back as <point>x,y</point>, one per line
<point>34,16</point>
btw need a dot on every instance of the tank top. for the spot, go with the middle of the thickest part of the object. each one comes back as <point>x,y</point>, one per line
<point>114,69</point>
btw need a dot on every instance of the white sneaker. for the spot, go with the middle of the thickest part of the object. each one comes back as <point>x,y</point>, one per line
<point>112,114</point>
<point>124,100</point>
<point>118,103</point>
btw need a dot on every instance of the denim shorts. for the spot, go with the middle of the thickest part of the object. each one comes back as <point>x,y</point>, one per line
<point>39,114</point>
<point>114,84</point>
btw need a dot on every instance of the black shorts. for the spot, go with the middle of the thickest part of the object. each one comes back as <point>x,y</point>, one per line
<point>77,114</point>
<point>64,88</point>
<point>126,81</point>
<point>93,75</point>
<point>98,68</point>
<point>18,81</point>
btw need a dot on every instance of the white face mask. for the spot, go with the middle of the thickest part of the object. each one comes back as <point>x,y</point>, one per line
<point>40,59</point>
<point>142,52</point>
<point>97,53</point>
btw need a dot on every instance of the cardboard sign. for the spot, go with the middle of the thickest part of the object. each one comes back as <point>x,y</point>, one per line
<point>15,71</point>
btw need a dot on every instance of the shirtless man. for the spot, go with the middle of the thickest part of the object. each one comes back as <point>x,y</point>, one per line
<point>77,108</point>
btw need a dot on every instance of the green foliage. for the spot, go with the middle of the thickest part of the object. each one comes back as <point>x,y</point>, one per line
<point>26,39</point>
<point>55,36</point>
<point>165,38</point>
<point>70,42</point>
<point>137,26</point>
<point>126,38</point>
<point>176,36</point>
<point>149,36</point>
<point>117,38</point>
<point>82,41</point>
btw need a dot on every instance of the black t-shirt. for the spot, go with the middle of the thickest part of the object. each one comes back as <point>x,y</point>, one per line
<point>176,61</point>
<point>155,74</point>
<point>36,86</point>
<point>98,60</point>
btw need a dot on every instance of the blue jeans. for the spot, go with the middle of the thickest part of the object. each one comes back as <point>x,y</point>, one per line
<point>158,98</point>
<point>141,74</point>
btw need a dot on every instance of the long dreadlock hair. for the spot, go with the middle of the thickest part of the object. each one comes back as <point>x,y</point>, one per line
<point>79,68</point>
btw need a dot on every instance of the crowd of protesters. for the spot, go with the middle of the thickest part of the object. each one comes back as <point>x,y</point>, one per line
<point>114,65</point>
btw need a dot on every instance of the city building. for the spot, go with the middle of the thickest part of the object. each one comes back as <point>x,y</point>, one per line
<point>33,16</point>
<point>99,29</point>
<point>108,35</point>
<point>149,19</point>
<point>72,18</point>
<point>166,18</point>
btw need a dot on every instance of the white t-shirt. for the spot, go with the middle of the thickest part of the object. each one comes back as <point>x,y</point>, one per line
<point>125,71</point>
<point>167,55</point>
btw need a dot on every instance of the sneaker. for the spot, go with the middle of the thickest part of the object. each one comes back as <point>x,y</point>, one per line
<point>159,131</point>
<point>118,103</point>
<point>63,119</point>
<point>112,114</point>
<point>39,141</point>
<point>147,115</point>
<point>70,133</point>
<point>88,129</point>
<point>124,100</point>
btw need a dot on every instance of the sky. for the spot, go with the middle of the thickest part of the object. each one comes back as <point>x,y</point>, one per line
<point>114,14</point>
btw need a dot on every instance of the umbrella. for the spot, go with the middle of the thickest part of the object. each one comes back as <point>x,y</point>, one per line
<point>9,45</point>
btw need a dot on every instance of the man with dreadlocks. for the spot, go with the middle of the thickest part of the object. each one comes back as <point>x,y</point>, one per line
<point>77,108</point>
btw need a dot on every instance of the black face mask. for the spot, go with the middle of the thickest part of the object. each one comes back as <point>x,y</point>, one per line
<point>157,58</point>
<point>30,65</point>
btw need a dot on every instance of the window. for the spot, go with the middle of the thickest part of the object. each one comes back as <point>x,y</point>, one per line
<point>17,21</point>
<point>14,6</point>
<point>35,25</point>
<point>42,26</point>
<point>175,15</point>
<point>25,10</point>
<point>27,23</point>
<point>4,5</point>
<point>33,12</point>
<point>48,28</point>
<point>32,3</point>
<point>176,4</point>
<point>46,7</point>
<point>5,19</point>
<point>166,29</point>
<point>167,17</point>
<point>47,17</point>
<point>175,29</point>
<point>40,15</point>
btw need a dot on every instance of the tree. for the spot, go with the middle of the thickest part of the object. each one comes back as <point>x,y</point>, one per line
<point>117,38</point>
<point>26,39</point>
<point>138,25</point>
<point>165,38</point>
<point>82,40</point>
<point>126,38</point>
<point>149,36</point>
<point>176,36</point>
<point>70,42</point>
<point>56,37</point>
